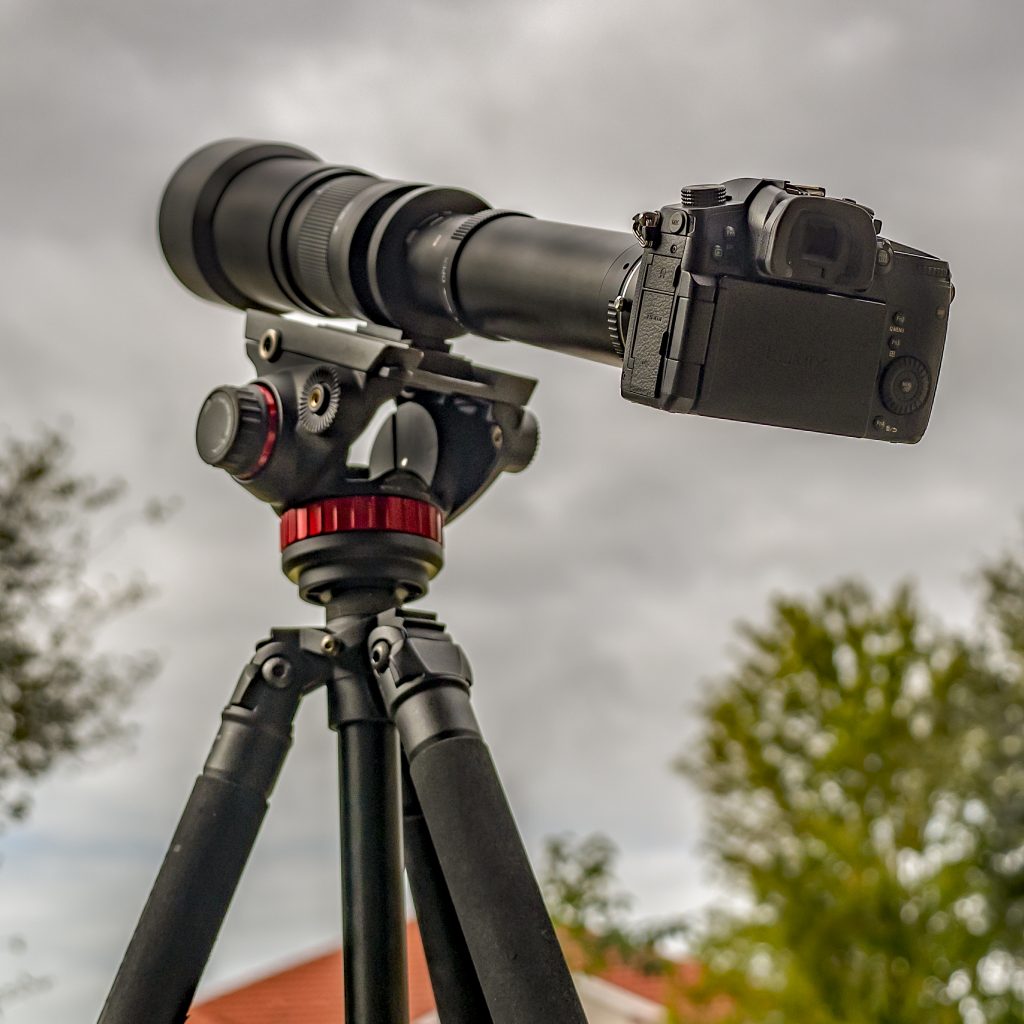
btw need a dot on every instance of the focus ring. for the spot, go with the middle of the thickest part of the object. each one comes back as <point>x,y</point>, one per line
<point>314,238</point>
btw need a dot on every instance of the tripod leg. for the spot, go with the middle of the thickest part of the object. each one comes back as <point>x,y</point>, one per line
<point>425,679</point>
<point>175,934</point>
<point>373,910</point>
<point>452,974</point>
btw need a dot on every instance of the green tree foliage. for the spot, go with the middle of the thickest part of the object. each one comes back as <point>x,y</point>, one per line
<point>865,790</point>
<point>591,909</point>
<point>59,695</point>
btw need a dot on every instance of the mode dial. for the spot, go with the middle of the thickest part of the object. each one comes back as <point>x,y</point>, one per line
<point>237,428</point>
<point>701,196</point>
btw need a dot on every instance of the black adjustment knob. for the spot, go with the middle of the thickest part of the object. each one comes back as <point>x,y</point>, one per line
<point>236,428</point>
<point>906,385</point>
<point>703,195</point>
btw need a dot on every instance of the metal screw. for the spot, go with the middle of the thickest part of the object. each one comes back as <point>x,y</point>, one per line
<point>270,345</point>
<point>329,645</point>
<point>497,436</point>
<point>277,672</point>
<point>379,655</point>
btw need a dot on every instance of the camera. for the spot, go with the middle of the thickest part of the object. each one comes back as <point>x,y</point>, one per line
<point>770,302</point>
<point>754,299</point>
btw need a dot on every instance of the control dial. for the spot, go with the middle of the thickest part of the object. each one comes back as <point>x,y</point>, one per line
<point>237,428</point>
<point>700,196</point>
<point>906,385</point>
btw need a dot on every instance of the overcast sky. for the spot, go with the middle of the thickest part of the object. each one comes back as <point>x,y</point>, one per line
<point>595,594</point>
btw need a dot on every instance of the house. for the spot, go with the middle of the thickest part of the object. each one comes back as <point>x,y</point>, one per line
<point>310,992</point>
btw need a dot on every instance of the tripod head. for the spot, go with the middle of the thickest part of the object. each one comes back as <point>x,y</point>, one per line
<point>286,438</point>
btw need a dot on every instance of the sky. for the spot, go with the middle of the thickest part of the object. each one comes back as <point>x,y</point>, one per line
<point>596,594</point>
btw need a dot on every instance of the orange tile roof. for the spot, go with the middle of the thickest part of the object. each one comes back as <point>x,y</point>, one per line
<point>311,992</point>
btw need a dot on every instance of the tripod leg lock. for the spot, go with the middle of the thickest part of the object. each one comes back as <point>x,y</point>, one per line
<point>424,678</point>
<point>256,726</point>
<point>175,934</point>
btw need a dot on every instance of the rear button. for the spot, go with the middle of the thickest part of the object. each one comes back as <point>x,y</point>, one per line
<point>906,385</point>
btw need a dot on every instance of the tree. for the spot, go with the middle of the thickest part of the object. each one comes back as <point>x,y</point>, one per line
<point>58,695</point>
<point>591,909</point>
<point>865,791</point>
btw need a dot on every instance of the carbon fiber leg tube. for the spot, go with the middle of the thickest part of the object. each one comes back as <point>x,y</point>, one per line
<point>452,974</point>
<point>373,910</point>
<point>187,904</point>
<point>425,679</point>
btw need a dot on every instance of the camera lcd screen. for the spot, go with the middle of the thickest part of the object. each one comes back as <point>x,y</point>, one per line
<point>793,358</point>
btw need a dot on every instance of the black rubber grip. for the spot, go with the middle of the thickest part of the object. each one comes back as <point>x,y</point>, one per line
<point>510,937</point>
<point>175,934</point>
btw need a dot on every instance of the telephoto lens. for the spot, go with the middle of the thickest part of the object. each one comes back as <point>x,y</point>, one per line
<point>268,226</point>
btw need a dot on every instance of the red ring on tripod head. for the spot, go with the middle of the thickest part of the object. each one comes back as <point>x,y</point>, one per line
<point>362,512</point>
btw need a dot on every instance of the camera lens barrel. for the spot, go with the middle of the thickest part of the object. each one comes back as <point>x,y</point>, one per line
<point>270,226</point>
<point>540,282</point>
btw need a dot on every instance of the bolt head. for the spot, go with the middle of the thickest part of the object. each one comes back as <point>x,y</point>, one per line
<point>329,645</point>
<point>497,436</point>
<point>277,672</point>
<point>270,345</point>
<point>379,655</point>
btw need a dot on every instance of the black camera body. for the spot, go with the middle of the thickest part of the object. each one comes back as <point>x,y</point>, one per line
<point>769,302</point>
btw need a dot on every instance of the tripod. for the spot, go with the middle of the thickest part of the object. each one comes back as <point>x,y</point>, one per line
<point>414,770</point>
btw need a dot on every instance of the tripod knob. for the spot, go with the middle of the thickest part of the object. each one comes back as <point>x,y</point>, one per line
<point>237,428</point>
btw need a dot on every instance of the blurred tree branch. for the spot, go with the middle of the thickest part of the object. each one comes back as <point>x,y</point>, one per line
<point>589,907</point>
<point>59,695</point>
